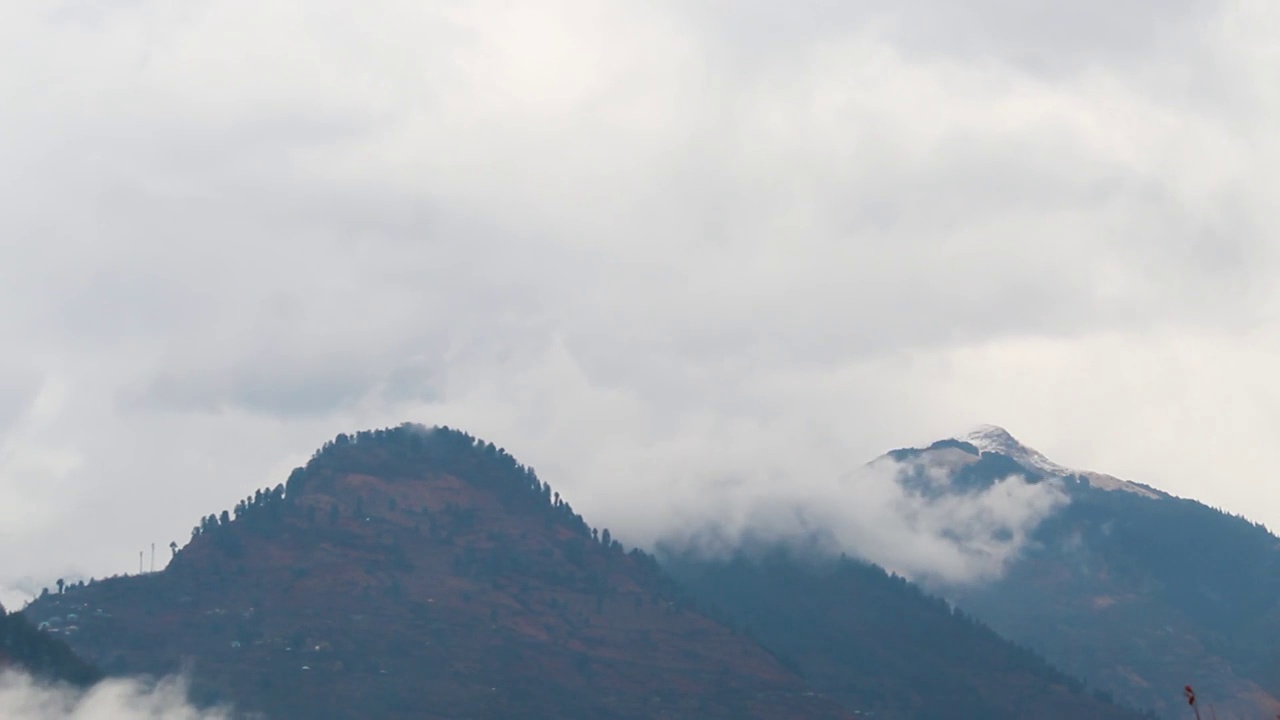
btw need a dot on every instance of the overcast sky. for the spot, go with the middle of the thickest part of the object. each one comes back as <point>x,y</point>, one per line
<point>656,249</point>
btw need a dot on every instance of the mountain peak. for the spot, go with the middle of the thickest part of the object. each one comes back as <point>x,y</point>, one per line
<point>995,439</point>
<point>985,433</point>
<point>415,572</point>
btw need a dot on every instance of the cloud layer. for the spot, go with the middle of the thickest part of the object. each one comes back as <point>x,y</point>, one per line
<point>22,698</point>
<point>649,247</point>
<point>942,538</point>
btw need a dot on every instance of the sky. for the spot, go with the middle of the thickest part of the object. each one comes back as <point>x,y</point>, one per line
<point>672,254</point>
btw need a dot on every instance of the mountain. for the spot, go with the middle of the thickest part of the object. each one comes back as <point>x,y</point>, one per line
<point>1134,590</point>
<point>879,644</point>
<point>40,654</point>
<point>421,573</point>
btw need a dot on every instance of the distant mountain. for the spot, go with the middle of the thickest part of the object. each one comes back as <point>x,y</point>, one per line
<point>416,573</point>
<point>880,645</point>
<point>1134,590</point>
<point>40,654</point>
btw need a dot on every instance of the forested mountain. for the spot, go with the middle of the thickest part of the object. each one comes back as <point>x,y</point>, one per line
<point>1134,590</point>
<point>415,573</point>
<point>41,654</point>
<point>423,573</point>
<point>880,645</point>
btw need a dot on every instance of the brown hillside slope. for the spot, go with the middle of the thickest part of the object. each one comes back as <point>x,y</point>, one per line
<point>421,574</point>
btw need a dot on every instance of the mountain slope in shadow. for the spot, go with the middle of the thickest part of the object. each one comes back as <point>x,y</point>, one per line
<point>880,645</point>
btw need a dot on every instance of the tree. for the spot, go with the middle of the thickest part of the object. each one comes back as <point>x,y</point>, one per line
<point>606,538</point>
<point>61,586</point>
<point>225,518</point>
<point>173,548</point>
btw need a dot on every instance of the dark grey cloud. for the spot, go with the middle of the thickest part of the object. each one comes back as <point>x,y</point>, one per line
<point>647,247</point>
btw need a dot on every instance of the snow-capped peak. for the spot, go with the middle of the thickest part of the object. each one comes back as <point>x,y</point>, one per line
<point>992,438</point>
<point>995,439</point>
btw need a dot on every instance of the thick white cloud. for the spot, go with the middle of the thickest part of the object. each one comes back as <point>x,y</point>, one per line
<point>22,698</point>
<point>648,247</point>
<point>943,538</point>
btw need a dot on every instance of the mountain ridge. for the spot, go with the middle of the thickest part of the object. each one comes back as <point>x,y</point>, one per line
<point>39,654</point>
<point>995,439</point>
<point>421,573</point>
<point>411,568</point>
<point>1136,590</point>
<point>880,644</point>
<point>413,572</point>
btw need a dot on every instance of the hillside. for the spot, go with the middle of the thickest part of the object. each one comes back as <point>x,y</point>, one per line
<point>40,654</point>
<point>877,643</point>
<point>1134,590</point>
<point>414,573</point>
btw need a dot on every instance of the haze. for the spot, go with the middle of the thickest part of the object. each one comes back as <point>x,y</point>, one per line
<point>661,251</point>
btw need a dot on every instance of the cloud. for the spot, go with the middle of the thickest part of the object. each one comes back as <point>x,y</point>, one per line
<point>648,247</point>
<point>22,698</point>
<point>948,537</point>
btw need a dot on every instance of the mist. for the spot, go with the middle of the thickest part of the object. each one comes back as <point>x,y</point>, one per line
<point>24,698</point>
<point>938,538</point>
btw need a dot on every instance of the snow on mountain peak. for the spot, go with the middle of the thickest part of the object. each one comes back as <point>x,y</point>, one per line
<point>995,439</point>
<point>992,438</point>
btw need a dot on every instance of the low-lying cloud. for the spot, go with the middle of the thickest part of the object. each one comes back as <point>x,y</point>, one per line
<point>24,698</point>
<point>945,537</point>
